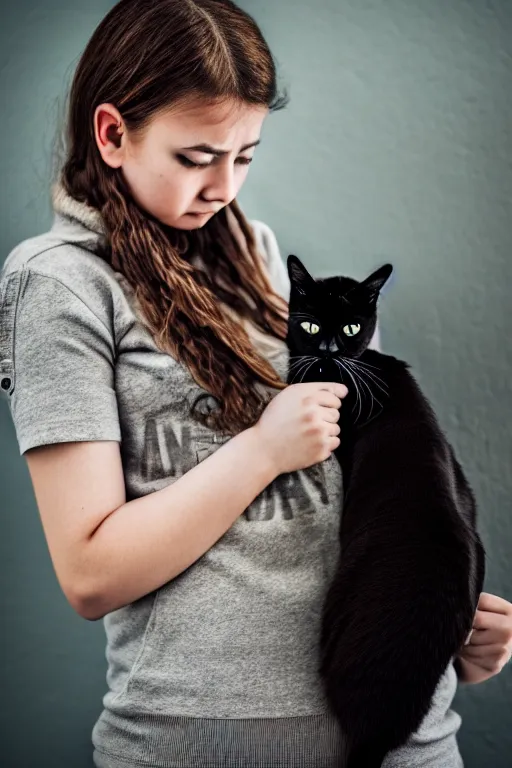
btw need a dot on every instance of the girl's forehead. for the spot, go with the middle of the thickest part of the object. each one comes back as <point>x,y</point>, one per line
<point>218,119</point>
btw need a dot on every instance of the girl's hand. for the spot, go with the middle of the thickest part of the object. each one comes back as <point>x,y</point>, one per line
<point>299,426</point>
<point>490,641</point>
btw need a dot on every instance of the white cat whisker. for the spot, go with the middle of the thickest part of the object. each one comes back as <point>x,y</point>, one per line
<point>309,366</point>
<point>374,398</point>
<point>302,363</point>
<point>303,366</point>
<point>301,359</point>
<point>367,365</point>
<point>372,376</point>
<point>359,399</point>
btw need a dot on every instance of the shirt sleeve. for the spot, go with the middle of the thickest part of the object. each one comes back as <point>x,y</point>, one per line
<point>56,363</point>
<point>434,744</point>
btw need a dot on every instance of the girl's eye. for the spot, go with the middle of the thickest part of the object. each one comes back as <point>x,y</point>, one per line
<point>190,164</point>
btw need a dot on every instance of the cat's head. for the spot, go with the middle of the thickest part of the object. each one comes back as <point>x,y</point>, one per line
<point>333,316</point>
<point>331,323</point>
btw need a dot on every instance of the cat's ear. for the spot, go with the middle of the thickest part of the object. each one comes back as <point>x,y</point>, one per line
<point>299,276</point>
<point>375,282</point>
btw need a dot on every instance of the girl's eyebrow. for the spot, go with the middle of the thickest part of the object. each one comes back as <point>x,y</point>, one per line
<point>207,149</point>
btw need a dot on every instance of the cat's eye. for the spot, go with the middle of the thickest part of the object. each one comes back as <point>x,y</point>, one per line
<point>352,329</point>
<point>311,328</point>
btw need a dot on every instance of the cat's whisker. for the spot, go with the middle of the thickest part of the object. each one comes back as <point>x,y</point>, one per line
<point>295,374</point>
<point>302,359</point>
<point>362,364</point>
<point>303,363</point>
<point>303,366</point>
<point>342,369</point>
<point>367,365</point>
<point>376,379</point>
<point>309,366</point>
<point>372,376</point>
<point>373,382</point>
<point>359,399</point>
<point>365,384</point>
<point>374,397</point>
<point>359,393</point>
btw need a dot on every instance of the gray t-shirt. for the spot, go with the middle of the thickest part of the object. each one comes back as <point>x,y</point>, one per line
<point>218,667</point>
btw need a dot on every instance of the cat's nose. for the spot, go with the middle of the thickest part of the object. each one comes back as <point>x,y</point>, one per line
<point>332,347</point>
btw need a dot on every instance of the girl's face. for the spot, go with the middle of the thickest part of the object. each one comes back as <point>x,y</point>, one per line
<point>171,169</point>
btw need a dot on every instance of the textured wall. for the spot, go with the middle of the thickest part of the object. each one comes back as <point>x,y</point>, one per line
<point>396,145</point>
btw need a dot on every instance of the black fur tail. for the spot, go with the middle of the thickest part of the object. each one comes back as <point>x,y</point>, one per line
<point>411,569</point>
<point>369,755</point>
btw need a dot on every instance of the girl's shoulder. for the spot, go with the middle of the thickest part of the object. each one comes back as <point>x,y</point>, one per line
<point>269,248</point>
<point>54,265</point>
<point>266,239</point>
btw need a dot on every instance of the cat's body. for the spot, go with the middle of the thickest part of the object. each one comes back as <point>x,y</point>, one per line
<point>411,569</point>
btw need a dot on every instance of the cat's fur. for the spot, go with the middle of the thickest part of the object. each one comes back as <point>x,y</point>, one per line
<point>411,569</point>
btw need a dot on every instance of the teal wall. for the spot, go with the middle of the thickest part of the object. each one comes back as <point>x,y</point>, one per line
<point>396,145</point>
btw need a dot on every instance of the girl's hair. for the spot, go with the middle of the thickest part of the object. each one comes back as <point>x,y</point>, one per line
<point>144,57</point>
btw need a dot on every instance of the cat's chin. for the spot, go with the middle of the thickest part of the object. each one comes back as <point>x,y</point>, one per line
<point>323,369</point>
<point>328,370</point>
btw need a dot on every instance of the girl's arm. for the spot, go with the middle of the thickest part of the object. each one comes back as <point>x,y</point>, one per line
<point>108,552</point>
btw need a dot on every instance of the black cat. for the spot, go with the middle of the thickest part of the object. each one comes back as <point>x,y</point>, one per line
<point>412,564</point>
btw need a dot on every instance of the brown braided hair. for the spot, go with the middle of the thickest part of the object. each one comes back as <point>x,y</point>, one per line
<point>145,56</point>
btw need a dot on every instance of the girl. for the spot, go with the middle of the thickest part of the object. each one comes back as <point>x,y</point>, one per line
<point>183,500</point>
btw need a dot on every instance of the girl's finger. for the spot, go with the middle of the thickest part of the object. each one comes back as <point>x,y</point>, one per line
<point>494,604</point>
<point>488,620</point>
<point>491,652</point>
<point>488,637</point>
